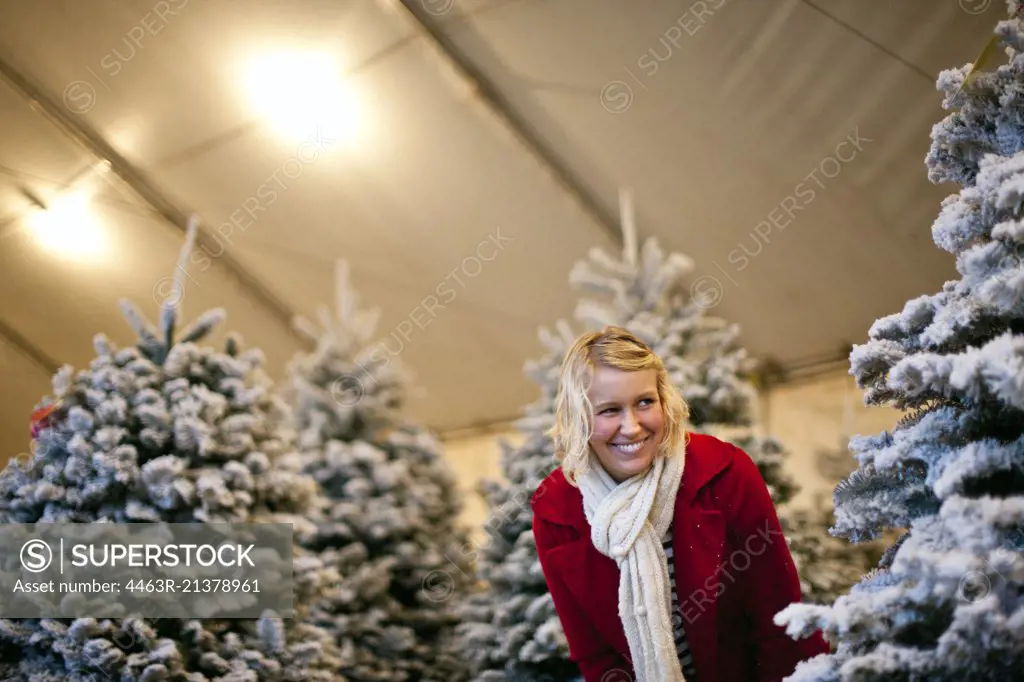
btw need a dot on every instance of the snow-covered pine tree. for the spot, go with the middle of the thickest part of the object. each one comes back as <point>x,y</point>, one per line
<point>511,631</point>
<point>166,431</point>
<point>947,602</point>
<point>390,526</point>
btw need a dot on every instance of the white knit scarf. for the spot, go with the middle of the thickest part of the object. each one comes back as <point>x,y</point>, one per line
<point>627,521</point>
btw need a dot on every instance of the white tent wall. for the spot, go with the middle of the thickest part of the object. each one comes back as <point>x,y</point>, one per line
<point>25,382</point>
<point>476,456</point>
<point>812,415</point>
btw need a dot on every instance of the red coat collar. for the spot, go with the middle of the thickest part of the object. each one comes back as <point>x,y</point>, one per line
<point>559,502</point>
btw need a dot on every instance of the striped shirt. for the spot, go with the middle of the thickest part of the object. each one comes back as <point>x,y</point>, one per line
<point>682,647</point>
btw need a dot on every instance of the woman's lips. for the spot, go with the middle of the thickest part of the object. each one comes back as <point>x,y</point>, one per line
<point>633,449</point>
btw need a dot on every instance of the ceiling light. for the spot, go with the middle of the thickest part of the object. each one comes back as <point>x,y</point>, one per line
<point>301,94</point>
<point>69,228</point>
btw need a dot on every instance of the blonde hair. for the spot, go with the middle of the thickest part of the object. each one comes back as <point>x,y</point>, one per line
<point>617,348</point>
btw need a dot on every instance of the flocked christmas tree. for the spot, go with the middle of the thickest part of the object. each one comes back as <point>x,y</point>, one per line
<point>390,523</point>
<point>947,602</point>
<point>511,630</point>
<point>165,431</point>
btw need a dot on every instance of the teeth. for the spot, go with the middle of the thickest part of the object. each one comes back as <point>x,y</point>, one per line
<point>631,448</point>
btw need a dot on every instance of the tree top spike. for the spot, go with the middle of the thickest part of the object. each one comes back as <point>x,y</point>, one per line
<point>171,307</point>
<point>628,220</point>
<point>344,296</point>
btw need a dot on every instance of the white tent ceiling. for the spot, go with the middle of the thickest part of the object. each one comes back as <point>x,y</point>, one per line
<point>519,118</point>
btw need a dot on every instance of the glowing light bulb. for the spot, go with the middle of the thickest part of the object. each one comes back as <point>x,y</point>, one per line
<point>301,94</point>
<point>69,228</point>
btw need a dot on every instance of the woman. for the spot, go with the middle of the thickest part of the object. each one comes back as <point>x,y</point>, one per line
<point>661,549</point>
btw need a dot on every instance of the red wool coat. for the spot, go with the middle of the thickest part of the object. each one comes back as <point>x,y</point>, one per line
<point>733,573</point>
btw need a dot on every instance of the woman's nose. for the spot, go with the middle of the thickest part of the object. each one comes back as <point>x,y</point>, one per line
<point>630,424</point>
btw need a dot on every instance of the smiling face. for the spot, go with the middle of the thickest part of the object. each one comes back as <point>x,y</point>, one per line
<point>628,420</point>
